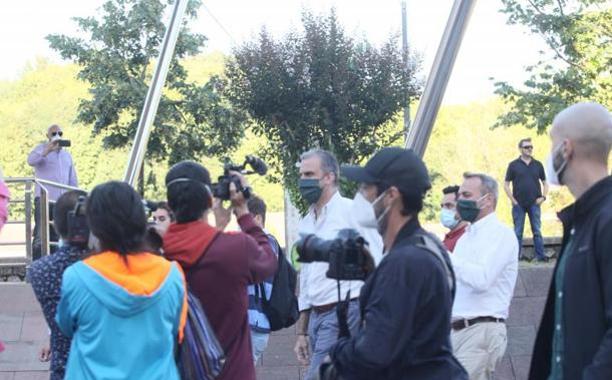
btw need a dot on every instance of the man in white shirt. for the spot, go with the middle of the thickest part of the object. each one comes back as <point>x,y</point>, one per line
<point>486,265</point>
<point>317,327</point>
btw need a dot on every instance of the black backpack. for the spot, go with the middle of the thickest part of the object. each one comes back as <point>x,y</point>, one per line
<point>282,307</point>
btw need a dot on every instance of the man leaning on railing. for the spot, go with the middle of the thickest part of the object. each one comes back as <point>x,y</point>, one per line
<point>53,163</point>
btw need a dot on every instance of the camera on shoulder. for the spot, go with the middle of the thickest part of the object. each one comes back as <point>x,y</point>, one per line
<point>345,254</point>
<point>221,189</point>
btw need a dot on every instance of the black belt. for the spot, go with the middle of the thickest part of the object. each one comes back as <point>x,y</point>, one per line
<point>325,308</point>
<point>465,323</point>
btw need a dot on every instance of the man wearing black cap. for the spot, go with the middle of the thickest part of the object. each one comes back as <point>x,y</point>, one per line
<point>406,301</point>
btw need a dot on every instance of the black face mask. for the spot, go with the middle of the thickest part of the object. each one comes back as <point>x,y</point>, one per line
<point>310,189</point>
<point>468,210</point>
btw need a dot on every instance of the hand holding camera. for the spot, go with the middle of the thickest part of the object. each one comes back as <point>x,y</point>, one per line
<point>52,146</point>
<point>347,255</point>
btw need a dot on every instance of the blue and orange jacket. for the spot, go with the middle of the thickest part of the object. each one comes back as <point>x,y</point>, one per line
<point>125,317</point>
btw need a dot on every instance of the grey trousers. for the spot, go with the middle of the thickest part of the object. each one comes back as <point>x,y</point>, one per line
<point>323,333</point>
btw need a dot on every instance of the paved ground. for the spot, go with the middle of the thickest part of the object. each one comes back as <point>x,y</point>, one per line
<point>24,331</point>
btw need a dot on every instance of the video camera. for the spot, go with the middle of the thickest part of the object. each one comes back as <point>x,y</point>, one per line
<point>78,229</point>
<point>345,254</point>
<point>221,188</point>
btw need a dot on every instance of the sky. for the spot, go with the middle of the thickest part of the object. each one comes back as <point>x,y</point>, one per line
<point>490,47</point>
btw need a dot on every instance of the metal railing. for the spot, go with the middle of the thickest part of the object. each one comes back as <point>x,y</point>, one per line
<point>43,223</point>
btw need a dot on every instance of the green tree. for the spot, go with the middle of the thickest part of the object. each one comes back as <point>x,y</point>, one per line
<point>320,88</point>
<point>579,35</point>
<point>116,60</point>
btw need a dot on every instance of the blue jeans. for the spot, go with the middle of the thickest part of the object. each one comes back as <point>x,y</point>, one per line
<point>323,333</point>
<point>259,342</point>
<point>518,216</point>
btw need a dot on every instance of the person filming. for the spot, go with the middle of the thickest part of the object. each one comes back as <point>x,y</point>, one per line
<point>53,163</point>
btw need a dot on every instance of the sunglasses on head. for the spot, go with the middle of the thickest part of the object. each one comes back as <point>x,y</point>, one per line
<point>58,133</point>
<point>528,147</point>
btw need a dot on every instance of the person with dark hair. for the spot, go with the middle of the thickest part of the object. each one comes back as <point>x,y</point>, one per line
<point>529,190</point>
<point>162,217</point>
<point>260,325</point>
<point>124,308</point>
<point>328,214</point>
<point>45,275</point>
<point>486,264</point>
<point>449,217</point>
<point>218,266</point>
<point>406,301</point>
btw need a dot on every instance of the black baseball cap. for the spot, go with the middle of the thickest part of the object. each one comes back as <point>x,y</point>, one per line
<point>393,166</point>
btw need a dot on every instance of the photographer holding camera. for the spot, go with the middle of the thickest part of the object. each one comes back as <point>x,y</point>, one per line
<point>406,301</point>
<point>218,266</point>
<point>329,213</point>
<point>52,163</point>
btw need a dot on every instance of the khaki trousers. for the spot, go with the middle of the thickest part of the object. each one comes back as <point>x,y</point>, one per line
<point>479,348</point>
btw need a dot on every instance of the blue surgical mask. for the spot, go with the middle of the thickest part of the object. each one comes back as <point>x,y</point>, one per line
<point>448,219</point>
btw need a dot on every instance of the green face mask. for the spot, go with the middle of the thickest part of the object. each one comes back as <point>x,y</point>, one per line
<point>310,190</point>
<point>469,210</point>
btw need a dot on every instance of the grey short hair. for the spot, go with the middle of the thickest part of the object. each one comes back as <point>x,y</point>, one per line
<point>329,163</point>
<point>488,184</point>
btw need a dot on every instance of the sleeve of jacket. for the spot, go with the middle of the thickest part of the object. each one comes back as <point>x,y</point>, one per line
<point>262,260</point>
<point>66,314</point>
<point>73,180</point>
<point>36,157</point>
<point>601,366</point>
<point>388,322</point>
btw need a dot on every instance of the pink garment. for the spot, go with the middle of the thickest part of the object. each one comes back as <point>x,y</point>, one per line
<point>5,195</point>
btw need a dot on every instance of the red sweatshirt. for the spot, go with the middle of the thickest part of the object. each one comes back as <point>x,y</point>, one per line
<point>231,263</point>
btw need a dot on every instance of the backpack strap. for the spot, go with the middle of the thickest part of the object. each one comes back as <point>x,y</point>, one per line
<point>434,246</point>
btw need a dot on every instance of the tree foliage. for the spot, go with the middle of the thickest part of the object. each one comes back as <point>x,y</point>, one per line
<point>579,35</point>
<point>116,61</point>
<point>320,88</point>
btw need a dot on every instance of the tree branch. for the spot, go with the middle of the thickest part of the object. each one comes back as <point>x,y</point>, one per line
<point>551,43</point>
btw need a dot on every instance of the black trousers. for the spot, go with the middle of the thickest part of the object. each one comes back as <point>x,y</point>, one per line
<point>36,243</point>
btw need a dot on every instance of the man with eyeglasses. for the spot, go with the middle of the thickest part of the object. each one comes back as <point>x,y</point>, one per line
<point>51,163</point>
<point>529,189</point>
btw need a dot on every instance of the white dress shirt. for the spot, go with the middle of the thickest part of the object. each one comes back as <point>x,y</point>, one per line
<point>485,261</point>
<point>315,288</point>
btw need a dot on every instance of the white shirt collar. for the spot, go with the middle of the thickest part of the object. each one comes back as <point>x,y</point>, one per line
<point>482,223</point>
<point>324,210</point>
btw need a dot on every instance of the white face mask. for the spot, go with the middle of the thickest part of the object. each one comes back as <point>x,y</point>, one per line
<point>381,222</point>
<point>363,212</point>
<point>552,174</point>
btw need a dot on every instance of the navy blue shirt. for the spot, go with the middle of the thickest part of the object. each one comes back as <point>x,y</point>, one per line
<point>45,275</point>
<point>525,180</point>
<point>405,319</point>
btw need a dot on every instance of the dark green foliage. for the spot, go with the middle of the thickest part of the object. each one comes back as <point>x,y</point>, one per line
<point>117,60</point>
<point>579,35</point>
<point>320,88</point>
